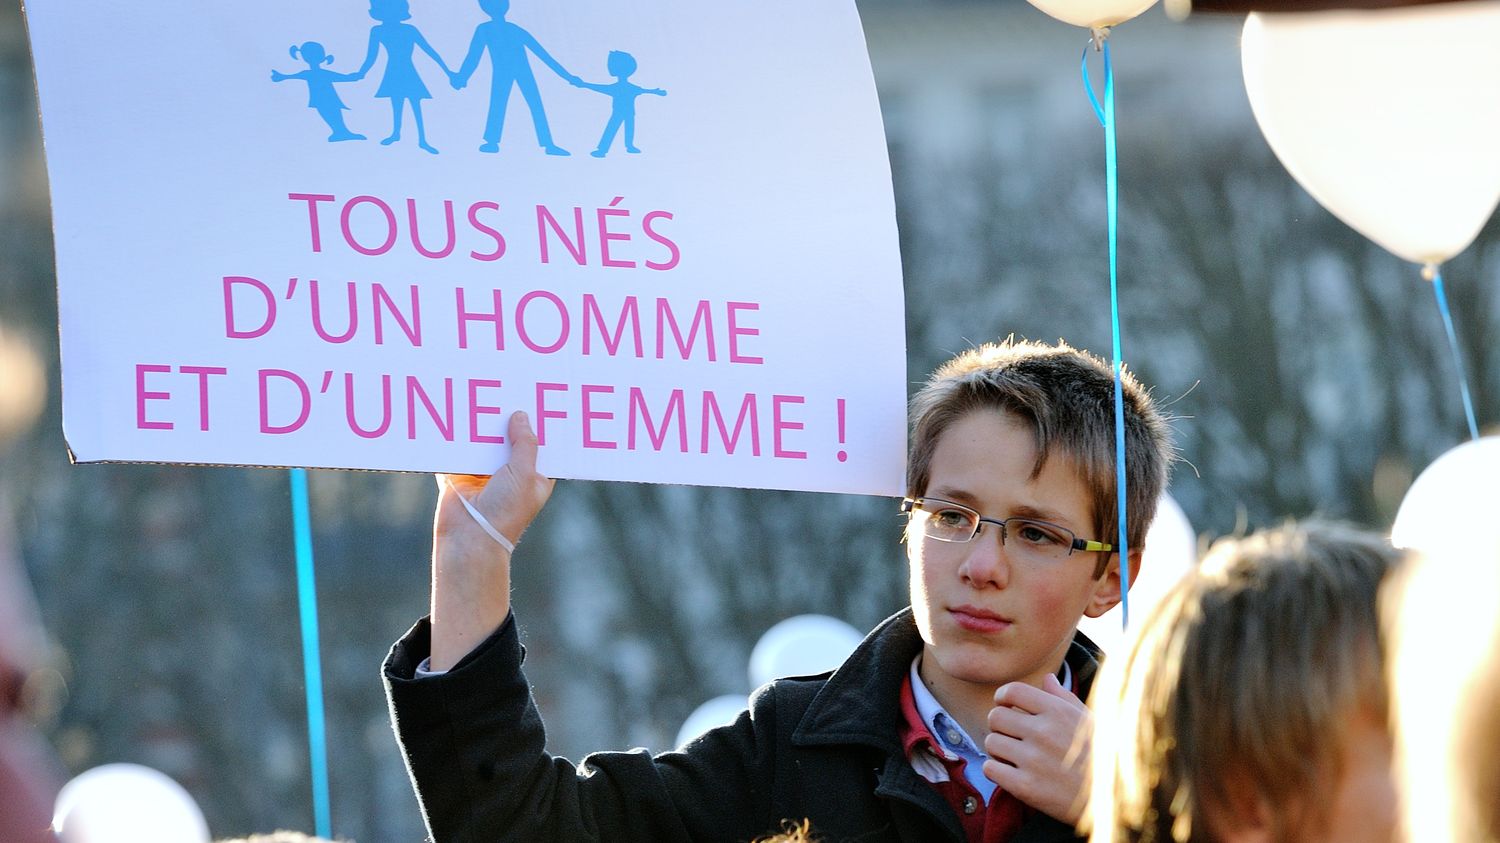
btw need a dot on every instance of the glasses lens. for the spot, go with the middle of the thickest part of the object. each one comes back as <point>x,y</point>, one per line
<point>1038,539</point>
<point>947,522</point>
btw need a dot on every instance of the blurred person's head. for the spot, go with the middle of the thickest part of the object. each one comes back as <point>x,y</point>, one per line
<point>23,386</point>
<point>1443,625</point>
<point>1251,705</point>
<point>29,776</point>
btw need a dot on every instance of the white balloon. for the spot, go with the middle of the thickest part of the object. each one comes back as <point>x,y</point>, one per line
<point>802,646</point>
<point>1451,508</point>
<point>719,711</point>
<point>1093,14</point>
<point>127,803</point>
<point>1171,551</point>
<point>1388,118</point>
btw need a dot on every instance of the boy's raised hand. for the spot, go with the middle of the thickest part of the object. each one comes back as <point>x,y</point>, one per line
<point>1038,745</point>
<point>470,570</point>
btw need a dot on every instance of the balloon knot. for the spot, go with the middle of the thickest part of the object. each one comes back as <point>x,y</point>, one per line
<point>1429,272</point>
<point>1100,35</point>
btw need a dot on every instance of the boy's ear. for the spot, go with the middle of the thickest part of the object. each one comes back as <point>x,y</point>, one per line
<point>1107,587</point>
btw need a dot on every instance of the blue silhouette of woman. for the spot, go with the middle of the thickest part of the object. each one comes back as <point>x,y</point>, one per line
<point>401,84</point>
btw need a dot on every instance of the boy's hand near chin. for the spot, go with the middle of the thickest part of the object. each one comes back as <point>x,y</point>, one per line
<point>1039,747</point>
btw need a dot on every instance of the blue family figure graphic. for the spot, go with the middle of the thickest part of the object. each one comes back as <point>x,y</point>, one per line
<point>506,44</point>
<point>401,84</point>
<point>320,93</point>
<point>623,93</point>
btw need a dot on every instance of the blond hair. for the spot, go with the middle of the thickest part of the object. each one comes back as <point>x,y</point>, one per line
<point>1239,686</point>
<point>1066,396</point>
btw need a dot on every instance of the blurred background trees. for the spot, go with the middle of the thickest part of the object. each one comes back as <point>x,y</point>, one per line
<point>1306,367</point>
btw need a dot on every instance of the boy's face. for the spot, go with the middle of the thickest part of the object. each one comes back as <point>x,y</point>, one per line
<point>985,617</point>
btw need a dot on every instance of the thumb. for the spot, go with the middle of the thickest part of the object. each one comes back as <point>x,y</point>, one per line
<point>523,444</point>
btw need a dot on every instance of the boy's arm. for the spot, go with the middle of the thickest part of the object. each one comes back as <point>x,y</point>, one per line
<point>661,92</point>
<point>474,741</point>
<point>470,570</point>
<point>475,747</point>
<point>1039,747</point>
<point>592,86</point>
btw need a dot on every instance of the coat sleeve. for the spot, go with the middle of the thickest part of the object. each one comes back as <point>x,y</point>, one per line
<point>475,749</point>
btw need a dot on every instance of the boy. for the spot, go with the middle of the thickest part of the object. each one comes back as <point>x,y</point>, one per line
<point>1011,481</point>
<point>1252,706</point>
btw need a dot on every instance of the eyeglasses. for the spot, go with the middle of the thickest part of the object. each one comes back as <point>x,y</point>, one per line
<point>1043,541</point>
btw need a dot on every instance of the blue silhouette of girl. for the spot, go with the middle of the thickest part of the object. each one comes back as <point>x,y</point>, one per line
<point>401,84</point>
<point>622,92</point>
<point>320,93</point>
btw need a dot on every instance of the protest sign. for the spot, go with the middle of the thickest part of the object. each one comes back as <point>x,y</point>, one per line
<point>360,233</point>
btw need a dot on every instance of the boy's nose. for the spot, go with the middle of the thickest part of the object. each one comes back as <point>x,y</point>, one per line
<point>986,565</point>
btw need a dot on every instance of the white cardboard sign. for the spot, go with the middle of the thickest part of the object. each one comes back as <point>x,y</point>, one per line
<point>360,233</point>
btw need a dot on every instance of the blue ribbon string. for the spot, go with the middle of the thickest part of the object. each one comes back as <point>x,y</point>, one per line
<point>312,665</point>
<point>1106,115</point>
<point>1458,358</point>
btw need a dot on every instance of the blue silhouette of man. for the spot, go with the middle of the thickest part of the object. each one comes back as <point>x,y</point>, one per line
<point>507,44</point>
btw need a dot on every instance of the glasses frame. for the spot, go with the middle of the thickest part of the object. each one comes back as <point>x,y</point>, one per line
<point>910,505</point>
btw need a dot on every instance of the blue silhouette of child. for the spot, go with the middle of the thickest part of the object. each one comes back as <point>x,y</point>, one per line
<point>623,92</point>
<point>401,84</point>
<point>320,92</point>
<point>507,44</point>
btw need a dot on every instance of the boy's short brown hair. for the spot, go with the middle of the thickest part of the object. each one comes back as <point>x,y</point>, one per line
<point>1067,396</point>
<point>1241,683</point>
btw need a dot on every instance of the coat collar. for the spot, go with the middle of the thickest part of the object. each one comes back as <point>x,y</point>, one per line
<point>860,702</point>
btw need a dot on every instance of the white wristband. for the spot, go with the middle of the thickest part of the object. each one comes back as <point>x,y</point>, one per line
<point>500,539</point>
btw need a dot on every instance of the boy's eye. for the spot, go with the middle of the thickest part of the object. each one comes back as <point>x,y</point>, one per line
<point>953,519</point>
<point>1036,533</point>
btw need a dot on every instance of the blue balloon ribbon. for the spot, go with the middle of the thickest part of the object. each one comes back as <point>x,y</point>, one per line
<point>1106,115</point>
<point>1458,358</point>
<point>312,665</point>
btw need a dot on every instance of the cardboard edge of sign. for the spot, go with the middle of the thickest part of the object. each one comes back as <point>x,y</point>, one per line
<point>74,460</point>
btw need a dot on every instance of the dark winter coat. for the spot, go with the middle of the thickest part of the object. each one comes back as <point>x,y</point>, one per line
<point>819,747</point>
